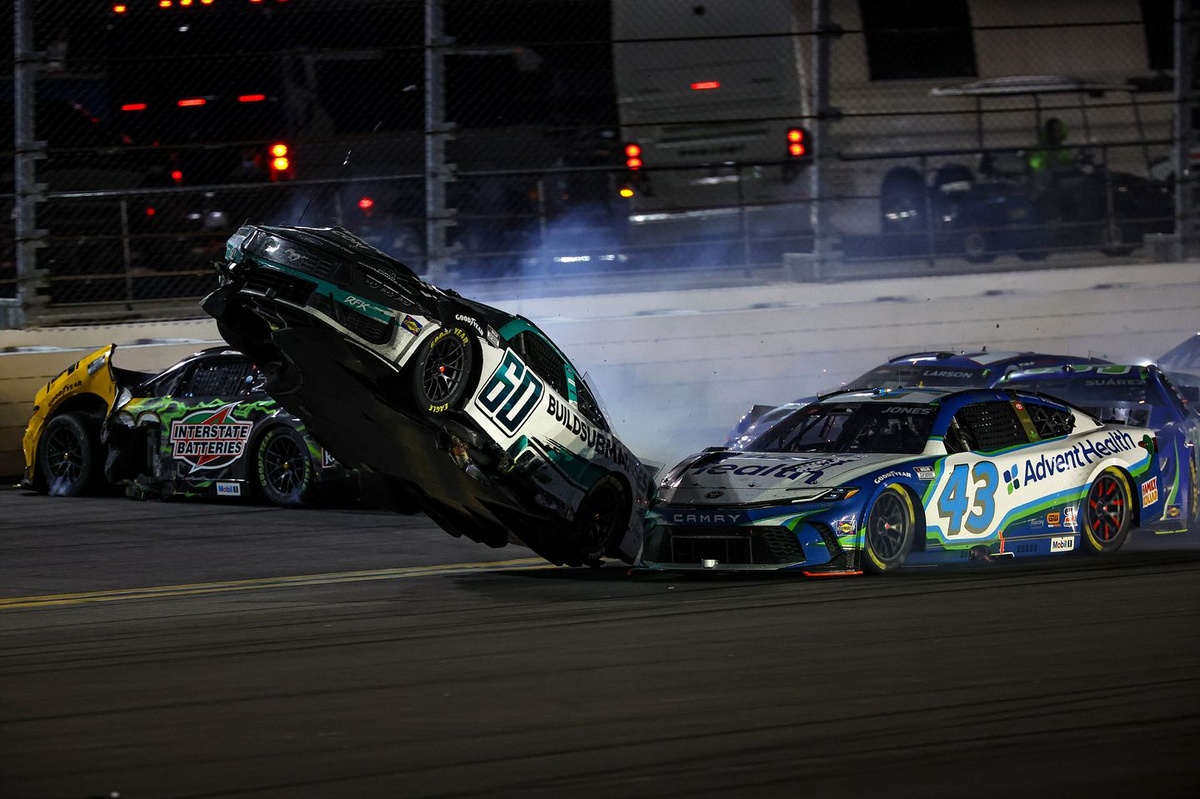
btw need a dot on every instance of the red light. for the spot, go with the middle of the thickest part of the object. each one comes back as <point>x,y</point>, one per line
<point>121,8</point>
<point>192,102</point>
<point>797,142</point>
<point>164,3</point>
<point>633,150</point>
<point>280,164</point>
<point>177,175</point>
<point>150,210</point>
<point>278,150</point>
<point>251,98</point>
<point>706,85</point>
<point>185,3</point>
<point>366,203</point>
<point>134,107</point>
<point>206,2</point>
<point>633,163</point>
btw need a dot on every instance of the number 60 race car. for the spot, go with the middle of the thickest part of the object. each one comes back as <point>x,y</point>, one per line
<point>464,411</point>
<point>872,481</point>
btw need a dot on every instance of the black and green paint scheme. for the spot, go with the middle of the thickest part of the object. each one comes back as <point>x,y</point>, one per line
<point>202,427</point>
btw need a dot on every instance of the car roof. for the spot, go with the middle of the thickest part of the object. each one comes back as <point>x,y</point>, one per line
<point>1146,372</point>
<point>903,395</point>
<point>982,359</point>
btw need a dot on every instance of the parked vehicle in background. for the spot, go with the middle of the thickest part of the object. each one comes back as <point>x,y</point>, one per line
<point>929,369</point>
<point>1144,397</point>
<point>717,107</point>
<point>202,427</point>
<point>714,107</point>
<point>874,481</point>
<point>1052,194</point>
<point>469,413</point>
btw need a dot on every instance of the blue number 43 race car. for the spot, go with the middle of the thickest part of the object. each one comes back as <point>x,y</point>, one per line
<point>876,480</point>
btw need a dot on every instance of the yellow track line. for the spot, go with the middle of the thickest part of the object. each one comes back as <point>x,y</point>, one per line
<point>258,583</point>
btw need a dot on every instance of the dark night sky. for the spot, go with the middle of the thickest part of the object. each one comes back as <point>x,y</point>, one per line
<point>568,40</point>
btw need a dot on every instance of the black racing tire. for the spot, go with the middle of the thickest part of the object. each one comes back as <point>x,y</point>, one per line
<point>443,369</point>
<point>890,531</point>
<point>70,455</point>
<point>285,470</point>
<point>600,520</point>
<point>1107,513</point>
<point>977,247</point>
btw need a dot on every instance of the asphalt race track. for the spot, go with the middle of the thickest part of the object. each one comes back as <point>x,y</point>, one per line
<point>188,649</point>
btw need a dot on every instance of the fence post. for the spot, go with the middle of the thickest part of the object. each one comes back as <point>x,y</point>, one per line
<point>1185,135</point>
<point>30,280</point>
<point>825,33</point>
<point>437,132</point>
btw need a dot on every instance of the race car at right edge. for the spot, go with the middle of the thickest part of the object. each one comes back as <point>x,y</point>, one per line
<point>879,480</point>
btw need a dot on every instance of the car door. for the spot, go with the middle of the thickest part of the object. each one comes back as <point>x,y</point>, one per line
<point>201,433</point>
<point>1010,460</point>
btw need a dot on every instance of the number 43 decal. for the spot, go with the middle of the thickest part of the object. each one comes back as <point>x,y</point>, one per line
<point>969,503</point>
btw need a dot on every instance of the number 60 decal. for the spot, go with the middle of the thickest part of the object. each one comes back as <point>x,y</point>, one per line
<point>511,393</point>
<point>969,504</point>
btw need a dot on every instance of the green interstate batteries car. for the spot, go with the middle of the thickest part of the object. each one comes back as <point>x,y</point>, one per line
<point>202,427</point>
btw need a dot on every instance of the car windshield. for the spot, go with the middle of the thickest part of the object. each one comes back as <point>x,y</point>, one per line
<point>920,375</point>
<point>1110,399</point>
<point>850,427</point>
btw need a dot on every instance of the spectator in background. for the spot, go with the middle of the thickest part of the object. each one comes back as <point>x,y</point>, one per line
<point>1052,157</point>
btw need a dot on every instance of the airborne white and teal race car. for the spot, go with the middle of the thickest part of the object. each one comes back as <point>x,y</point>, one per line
<point>466,412</point>
<point>872,481</point>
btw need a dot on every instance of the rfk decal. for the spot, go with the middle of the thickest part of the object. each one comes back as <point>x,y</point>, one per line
<point>209,439</point>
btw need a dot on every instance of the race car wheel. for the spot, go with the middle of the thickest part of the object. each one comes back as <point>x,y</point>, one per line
<point>285,472</point>
<point>977,248</point>
<point>890,530</point>
<point>70,455</point>
<point>1107,513</point>
<point>600,519</point>
<point>443,370</point>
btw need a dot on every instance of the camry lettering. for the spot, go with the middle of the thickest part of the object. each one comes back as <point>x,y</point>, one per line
<point>706,518</point>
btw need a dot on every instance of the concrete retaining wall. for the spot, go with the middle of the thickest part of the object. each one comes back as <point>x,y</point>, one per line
<point>678,368</point>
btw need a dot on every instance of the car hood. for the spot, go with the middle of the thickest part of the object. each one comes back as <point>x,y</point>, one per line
<point>737,478</point>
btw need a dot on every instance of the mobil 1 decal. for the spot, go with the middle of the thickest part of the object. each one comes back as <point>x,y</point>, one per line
<point>511,393</point>
<point>209,439</point>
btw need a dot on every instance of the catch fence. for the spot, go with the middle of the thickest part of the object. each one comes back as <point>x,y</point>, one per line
<point>481,140</point>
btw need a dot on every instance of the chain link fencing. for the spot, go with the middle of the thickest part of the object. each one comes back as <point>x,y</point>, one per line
<point>589,136</point>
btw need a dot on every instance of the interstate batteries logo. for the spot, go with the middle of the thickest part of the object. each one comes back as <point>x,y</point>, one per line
<point>209,439</point>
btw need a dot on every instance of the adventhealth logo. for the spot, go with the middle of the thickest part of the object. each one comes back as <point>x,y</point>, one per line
<point>1076,457</point>
<point>1010,477</point>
